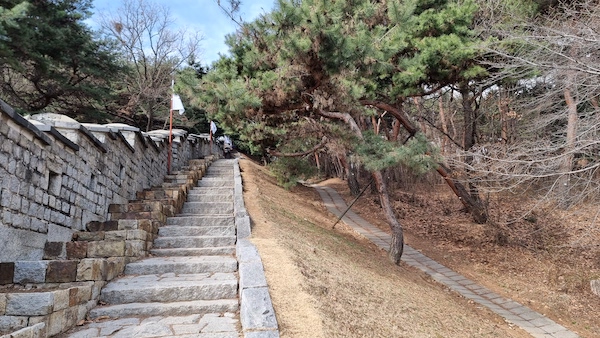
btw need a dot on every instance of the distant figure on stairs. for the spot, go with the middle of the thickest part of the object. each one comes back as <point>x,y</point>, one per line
<point>226,144</point>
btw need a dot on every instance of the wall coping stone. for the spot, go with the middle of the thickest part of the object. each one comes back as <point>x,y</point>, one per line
<point>152,142</point>
<point>24,123</point>
<point>125,128</point>
<point>124,139</point>
<point>97,127</point>
<point>64,122</point>
<point>59,121</point>
<point>121,126</point>
<point>196,137</point>
<point>57,135</point>
<point>93,138</point>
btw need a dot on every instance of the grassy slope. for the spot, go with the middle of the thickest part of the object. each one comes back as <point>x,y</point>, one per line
<point>328,283</point>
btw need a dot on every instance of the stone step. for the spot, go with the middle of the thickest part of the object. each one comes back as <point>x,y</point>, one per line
<point>226,179</point>
<point>170,288</point>
<point>211,191</point>
<point>210,198</point>
<point>219,172</point>
<point>201,220</point>
<point>182,265</point>
<point>165,309</point>
<point>207,208</point>
<point>193,242</point>
<point>219,183</point>
<point>186,231</point>
<point>226,163</point>
<point>217,177</point>
<point>217,251</point>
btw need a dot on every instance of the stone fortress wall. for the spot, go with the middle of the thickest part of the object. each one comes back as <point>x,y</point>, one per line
<point>58,175</point>
<point>77,203</point>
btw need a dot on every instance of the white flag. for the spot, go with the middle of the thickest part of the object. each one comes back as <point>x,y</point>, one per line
<point>213,127</point>
<point>177,104</point>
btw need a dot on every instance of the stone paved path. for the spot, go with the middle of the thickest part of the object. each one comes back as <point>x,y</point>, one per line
<point>531,321</point>
<point>192,286</point>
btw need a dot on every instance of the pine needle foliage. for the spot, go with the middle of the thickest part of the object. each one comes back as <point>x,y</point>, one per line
<point>289,171</point>
<point>50,59</point>
<point>377,153</point>
<point>310,57</point>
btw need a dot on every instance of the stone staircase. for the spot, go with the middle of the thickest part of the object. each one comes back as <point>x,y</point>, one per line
<point>193,270</point>
<point>175,262</point>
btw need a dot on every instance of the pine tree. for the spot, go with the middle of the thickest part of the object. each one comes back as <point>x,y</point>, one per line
<point>51,61</point>
<point>325,68</point>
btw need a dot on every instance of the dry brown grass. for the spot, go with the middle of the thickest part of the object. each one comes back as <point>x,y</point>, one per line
<point>327,283</point>
<point>545,262</point>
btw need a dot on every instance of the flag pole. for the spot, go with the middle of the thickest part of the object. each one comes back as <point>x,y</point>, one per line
<point>170,129</point>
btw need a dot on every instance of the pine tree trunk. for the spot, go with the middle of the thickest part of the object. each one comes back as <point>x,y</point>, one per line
<point>473,205</point>
<point>397,245</point>
<point>470,197</point>
<point>444,125</point>
<point>470,119</point>
<point>350,176</point>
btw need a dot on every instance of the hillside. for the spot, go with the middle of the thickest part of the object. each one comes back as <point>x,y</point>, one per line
<point>329,283</point>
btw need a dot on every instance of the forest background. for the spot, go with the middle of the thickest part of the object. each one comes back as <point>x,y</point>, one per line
<point>497,99</point>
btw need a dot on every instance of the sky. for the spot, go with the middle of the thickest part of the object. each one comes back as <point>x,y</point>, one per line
<point>202,16</point>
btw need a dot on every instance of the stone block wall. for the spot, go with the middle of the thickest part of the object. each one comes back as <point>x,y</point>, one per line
<point>43,298</point>
<point>58,175</point>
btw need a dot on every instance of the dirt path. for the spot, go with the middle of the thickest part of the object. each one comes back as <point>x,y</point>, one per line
<point>328,283</point>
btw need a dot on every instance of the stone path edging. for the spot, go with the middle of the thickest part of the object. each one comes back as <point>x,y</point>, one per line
<point>531,321</point>
<point>257,315</point>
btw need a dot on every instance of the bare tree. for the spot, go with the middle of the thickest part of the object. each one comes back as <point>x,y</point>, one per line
<point>555,103</point>
<point>153,49</point>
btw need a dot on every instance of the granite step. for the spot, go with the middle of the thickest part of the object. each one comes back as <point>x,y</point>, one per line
<point>208,208</point>
<point>170,288</point>
<point>215,183</point>
<point>193,242</point>
<point>182,265</point>
<point>185,230</point>
<point>165,309</point>
<point>212,251</point>
<point>223,173</point>
<point>211,191</point>
<point>218,177</point>
<point>210,197</point>
<point>205,220</point>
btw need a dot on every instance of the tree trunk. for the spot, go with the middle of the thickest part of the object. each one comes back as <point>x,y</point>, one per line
<point>350,176</point>
<point>397,245</point>
<point>149,123</point>
<point>470,119</point>
<point>444,125</point>
<point>471,196</point>
<point>567,162</point>
<point>395,130</point>
<point>503,109</point>
<point>472,204</point>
